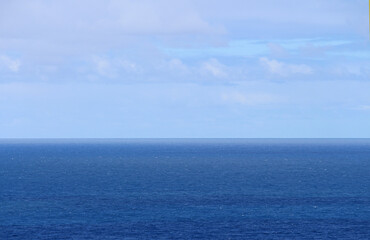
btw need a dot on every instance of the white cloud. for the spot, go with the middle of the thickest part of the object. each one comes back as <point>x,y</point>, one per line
<point>114,67</point>
<point>286,16</point>
<point>277,50</point>
<point>285,69</point>
<point>102,19</point>
<point>248,99</point>
<point>214,68</point>
<point>161,17</point>
<point>66,33</point>
<point>363,108</point>
<point>129,66</point>
<point>9,63</point>
<point>353,69</point>
<point>103,66</point>
<point>177,65</point>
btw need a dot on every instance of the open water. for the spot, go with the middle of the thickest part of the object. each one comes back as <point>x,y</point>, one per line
<point>185,189</point>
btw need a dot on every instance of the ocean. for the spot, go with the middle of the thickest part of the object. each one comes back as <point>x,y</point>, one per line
<point>185,189</point>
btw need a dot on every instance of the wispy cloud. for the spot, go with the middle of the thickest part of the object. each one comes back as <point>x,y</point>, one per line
<point>10,64</point>
<point>114,67</point>
<point>155,63</point>
<point>101,19</point>
<point>284,69</point>
<point>363,108</point>
<point>177,65</point>
<point>353,69</point>
<point>103,66</point>
<point>214,68</point>
<point>251,99</point>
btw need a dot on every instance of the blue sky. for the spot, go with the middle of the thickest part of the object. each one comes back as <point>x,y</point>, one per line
<point>185,68</point>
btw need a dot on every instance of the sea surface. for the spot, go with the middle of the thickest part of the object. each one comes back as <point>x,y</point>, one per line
<point>185,189</point>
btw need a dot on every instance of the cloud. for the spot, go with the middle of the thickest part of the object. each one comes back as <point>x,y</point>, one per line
<point>103,67</point>
<point>363,108</point>
<point>176,64</point>
<point>166,40</point>
<point>161,17</point>
<point>250,99</point>
<point>277,50</point>
<point>352,69</point>
<point>288,17</point>
<point>129,66</point>
<point>310,50</point>
<point>12,65</point>
<point>114,67</point>
<point>284,69</point>
<point>214,68</point>
<point>102,19</point>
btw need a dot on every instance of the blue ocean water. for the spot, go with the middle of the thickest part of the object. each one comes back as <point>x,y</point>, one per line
<point>185,189</point>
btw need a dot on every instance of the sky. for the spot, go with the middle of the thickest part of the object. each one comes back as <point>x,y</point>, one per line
<point>184,69</point>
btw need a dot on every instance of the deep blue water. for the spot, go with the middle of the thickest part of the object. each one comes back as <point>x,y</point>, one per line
<point>185,189</point>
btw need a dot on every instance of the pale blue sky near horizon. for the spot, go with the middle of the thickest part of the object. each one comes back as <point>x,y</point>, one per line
<point>185,68</point>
